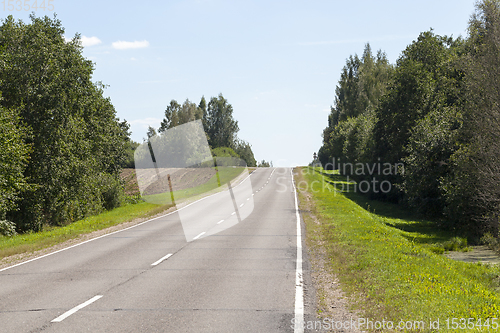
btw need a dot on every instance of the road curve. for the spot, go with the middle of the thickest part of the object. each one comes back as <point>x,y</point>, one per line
<point>149,278</point>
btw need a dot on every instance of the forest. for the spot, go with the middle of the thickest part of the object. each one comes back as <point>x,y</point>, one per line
<point>62,146</point>
<point>427,128</point>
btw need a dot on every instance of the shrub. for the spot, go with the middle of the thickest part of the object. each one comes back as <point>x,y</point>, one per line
<point>7,228</point>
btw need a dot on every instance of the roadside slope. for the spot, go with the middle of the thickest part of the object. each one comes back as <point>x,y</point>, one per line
<point>390,273</point>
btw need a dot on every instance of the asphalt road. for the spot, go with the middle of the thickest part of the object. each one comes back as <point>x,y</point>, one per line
<point>155,277</point>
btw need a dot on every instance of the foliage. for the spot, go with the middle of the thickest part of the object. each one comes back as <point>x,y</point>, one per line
<point>491,241</point>
<point>77,142</point>
<point>224,152</point>
<point>362,83</point>
<point>265,164</point>
<point>244,150</point>
<point>349,135</point>
<point>483,114</point>
<point>14,154</point>
<point>425,79</point>
<point>130,146</point>
<point>7,228</point>
<point>433,140</point>
<point>221,128</point>
<point>177,114</point>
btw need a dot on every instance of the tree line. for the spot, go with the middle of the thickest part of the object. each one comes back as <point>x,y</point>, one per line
<point>432,120</point>
<point>218,122</point>
<point>61,144</point>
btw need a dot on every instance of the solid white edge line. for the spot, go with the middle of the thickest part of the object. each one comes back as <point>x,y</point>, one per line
<point>299,282</point>
<point>87,241</point>
<point>162,259</point>
<point>114,232</point>
<point>75,309</point>
<point>199,235</point>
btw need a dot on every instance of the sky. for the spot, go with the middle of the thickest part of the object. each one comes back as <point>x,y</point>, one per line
<point>276,62</point>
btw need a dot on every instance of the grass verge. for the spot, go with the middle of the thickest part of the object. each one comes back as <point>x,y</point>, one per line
<point>386,261</point>
<point>25,243</point>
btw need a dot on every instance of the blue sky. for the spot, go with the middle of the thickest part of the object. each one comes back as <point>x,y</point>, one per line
<point>276,62</point>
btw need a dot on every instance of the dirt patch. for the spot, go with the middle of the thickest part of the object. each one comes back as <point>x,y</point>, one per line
<point>180,179</point>
<point>130,182</point>
<point>478,254</point>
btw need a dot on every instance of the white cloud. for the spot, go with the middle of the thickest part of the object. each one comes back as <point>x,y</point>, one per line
<point>122,45</point>
<point>90,41</point>
<point>85,41</point>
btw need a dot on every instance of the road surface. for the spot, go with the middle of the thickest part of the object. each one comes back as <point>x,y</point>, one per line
<point>149,278</point>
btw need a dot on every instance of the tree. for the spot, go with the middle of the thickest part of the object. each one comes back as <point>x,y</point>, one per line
<point>433,141</point>
<point>77,141</point>
<point>150,133</point>
<point>177,114</point>
<point>171,117</point>
<point>203,109</point>
<point>265,164</point>
<point>349,135</point>
<point>347,91</point>
<point>220,126</point>
<point>244,150</point>
<point>473,190</point>
<point>14,154</point>
<point>130,146</point>
<point>425,79</point>
<point>373,76</point>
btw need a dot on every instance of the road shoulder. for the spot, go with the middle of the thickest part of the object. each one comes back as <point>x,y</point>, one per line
<point>332,304</point>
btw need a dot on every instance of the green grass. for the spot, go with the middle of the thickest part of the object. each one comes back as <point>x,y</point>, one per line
<point>31,242</point>
<point>386,259</point>
<point>226,174</point>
